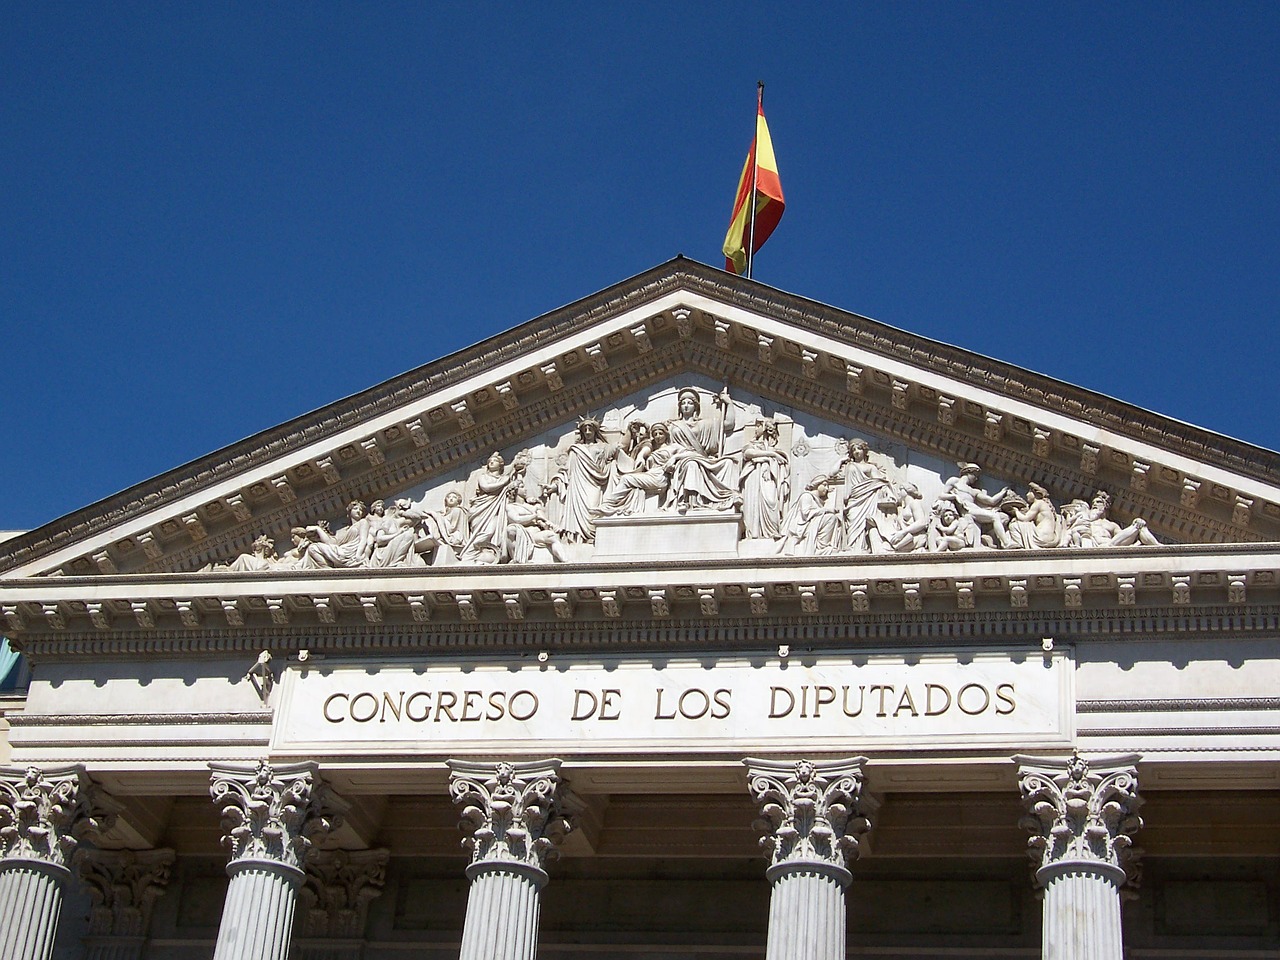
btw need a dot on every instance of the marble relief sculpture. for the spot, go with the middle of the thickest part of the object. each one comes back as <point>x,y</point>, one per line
<point>819,495</point>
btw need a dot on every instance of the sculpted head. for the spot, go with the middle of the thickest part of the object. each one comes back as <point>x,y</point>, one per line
<point>688,402</point>
<point>299,536</point>
<point>496,462</point>
<point>1036,492</point>
<point>378,508</point>
<point>970,470</point>
<point>356,510</point>
<point>820,486</point>
<point>767,430</point>
<point>263,545</point>
<point>1101,502</point>
<point>659,434</point>
<point>859,450</point>
<point>588,429</point>
<point>452,499</point>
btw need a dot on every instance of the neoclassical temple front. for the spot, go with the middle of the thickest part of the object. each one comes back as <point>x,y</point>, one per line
<point>692,620</point>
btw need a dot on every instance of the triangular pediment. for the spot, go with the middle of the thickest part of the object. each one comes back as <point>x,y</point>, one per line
<point>822,376</point>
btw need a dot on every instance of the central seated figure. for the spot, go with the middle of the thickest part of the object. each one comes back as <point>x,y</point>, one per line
<point>701,478</point>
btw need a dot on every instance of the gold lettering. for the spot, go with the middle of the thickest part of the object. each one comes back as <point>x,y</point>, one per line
<point>706,704</point>
<point>820,701</point>
<point>577,705</point>
<point>446,700</point>
<point>773,702</point>
<point>986,698</point>
<point>885,690</point>
<point>657,713</point>
<point>907,703</point>
<point>329,700</point>
<point>497,701</point>
<point>467,699</point>
<point>928,699</point>
<point>862,697</point>
<point>393,705</point>
<point>721,698</point>
<point>373,712</point>
<point>1005,698</point>
<point>511,704</point>
<point>408,707</point>
<point>607,701</point>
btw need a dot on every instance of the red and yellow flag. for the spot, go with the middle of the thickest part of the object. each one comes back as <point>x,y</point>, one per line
<point>762,167</point>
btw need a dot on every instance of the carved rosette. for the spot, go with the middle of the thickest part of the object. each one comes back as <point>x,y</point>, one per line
<point>1081,814</point>
<point>273,813</point>
<point>811,812</point>
<point>338,889</point>
<point>124,886</point>
<point>44,814</point>
<point>511,812</point>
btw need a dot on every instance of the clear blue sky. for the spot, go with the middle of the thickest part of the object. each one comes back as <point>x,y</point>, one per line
<point>216,217</point>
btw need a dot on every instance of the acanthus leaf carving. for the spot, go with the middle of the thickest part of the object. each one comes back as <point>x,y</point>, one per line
<point>45,813</point>
<point>273,813</point>
<point>810,812</point>
<point>510,811</point>
<point>339,886</point>
<point>1081,813</point>
<point>124,886</point>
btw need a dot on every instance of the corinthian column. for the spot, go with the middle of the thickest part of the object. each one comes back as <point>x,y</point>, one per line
<point>270,817</point>
<point>512,821</point>
<point>43,816</point>
<point>1081,818</point>
<point>124,886</point>
<point>339,887</point>
<point>812,815</point>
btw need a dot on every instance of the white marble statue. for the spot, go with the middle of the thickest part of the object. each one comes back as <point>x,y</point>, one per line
<point>701,476</point>
<point>646,476</point>
<point>582,482</point>
<point>766,483</point>
<point>352,546</point>
<point>1093,528</point>
<point>812,526</point>
<point>949,529</point>
<point>865,490</point>
<point>487,513</point>
<point>982,507</point>
<point>1036,524</point>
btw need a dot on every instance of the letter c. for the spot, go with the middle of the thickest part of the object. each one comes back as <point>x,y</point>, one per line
<point>325,708</point>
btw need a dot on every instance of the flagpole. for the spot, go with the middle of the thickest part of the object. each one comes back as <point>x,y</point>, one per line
<point>755,170</point>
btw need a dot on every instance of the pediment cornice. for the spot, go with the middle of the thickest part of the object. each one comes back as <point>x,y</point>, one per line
<point>1190,485</point>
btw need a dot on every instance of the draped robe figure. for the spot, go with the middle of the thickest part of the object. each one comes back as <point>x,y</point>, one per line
<point>630,489</point>
<point>349,547</point>
<point>812,524</point>
<point>765,484</point>
<point>585,474</point>
<point>865,489</point>
<point>487,518</point>
<point>700,476</point>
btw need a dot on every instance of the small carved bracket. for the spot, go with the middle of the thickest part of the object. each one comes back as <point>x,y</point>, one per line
<point>189,612</point>
<point>808,593</point>
<point>764,348</point>
<point>809,364</point>
<point>419,607</point>
<point>1041,442</point>
<point>239,509</point>
<point>1127,591</point>
<point>911,598</point>
<point>722,334</point>
<point>1018,593</point>
<point>1138,476</point>
<point>640,333</point>
<point>1235,587</point>
<point>552,376</point>
<point>759,600</point>
<point>964,594</point>
<point>853,379</point>
<point>1072,597</point>
<point>463,412</point>
<point>13,617</point>
<point>1190,496</point>
<point>684,322</point>
<point>562,603</point>
<point>150,546</point>
<point>283,489</point>
<point>325,611</point>
<point>231,610</point>
<point>658,602</point>
<point>708,602</point>
<point>467,607</point>
<point>901,395</point>
<point>373,450</point>
<point>513,603</point>
<point>1089,454</point>
<point>993,426</point>
<point>104,563</point>
<point>1242,512</point>
<point>610,605</point>
<point>1181,590</point>
<point>507,394</point>
<point>418,432</point>
<point>195,527</point>
<point>53,616</point>
<point>278,609</point>
<point>372,609</point>
<point>99,616</point>
<point>859,598</point>
<point>946,410</point>
<point>596,354</point>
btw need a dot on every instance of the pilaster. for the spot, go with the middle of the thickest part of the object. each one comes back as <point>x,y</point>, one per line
<point>511,816</point>
<point>1082,815</point>
<point>812,814</point>
<point>124,886</point>
<point>337,891</point>
<point>271,816</point>
<point>44,814</point>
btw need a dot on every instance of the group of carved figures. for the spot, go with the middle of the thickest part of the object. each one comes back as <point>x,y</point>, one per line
<point>679,466</point>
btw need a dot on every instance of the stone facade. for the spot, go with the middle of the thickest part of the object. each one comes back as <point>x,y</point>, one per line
<point>688,572</point>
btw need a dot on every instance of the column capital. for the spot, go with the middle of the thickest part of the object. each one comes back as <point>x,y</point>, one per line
<point>338,889</point>
<point>812,812</point>
<point>124,886</point>
<point>273,814</point>
<point>1081,814</point>
<point>511,812</point>
<point>45,813</point>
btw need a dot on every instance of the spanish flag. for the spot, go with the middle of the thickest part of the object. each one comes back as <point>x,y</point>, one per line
<point>759,176</point>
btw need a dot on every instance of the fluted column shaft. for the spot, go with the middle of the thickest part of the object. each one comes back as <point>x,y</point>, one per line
<point>511,816</point>
<point>257,917</point>
<point>807,912</point>
<point>1081,912</point>
<point>503,907</point>
<point>270,817</point>
<point>115,948</point>
<point>30,902</point>
<point>812,815</point>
